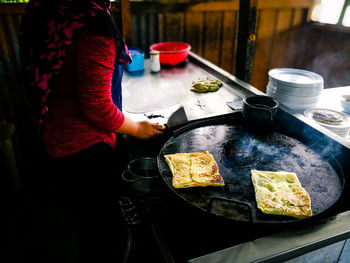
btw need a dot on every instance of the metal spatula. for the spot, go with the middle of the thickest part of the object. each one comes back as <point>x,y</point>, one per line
<point>177,118</point>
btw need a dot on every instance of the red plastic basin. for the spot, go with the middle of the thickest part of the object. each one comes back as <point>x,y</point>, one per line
<point>171,53</point>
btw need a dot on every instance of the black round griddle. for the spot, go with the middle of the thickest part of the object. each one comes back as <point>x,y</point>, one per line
<point>237,151</point>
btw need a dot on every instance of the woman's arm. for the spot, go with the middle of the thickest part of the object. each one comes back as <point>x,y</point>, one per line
<point>95,64</point>
<point>95,68</point>
<point>141,130</point>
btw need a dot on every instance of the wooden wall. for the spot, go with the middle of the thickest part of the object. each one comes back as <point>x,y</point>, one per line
<point>209,27</point>
<point>277,30</point>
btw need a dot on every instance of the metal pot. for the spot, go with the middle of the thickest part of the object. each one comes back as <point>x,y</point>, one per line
<point>143,174</point>
<point>259,110</point>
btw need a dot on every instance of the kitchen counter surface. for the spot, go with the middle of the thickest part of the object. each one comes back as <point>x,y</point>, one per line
<point>158,95</point>
<point>147,95</point>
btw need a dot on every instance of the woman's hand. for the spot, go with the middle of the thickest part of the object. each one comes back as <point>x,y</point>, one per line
<point>147,129</point>
<point>140,130</point>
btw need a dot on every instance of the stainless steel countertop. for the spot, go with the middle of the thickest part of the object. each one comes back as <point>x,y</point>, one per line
<point>146,93</point>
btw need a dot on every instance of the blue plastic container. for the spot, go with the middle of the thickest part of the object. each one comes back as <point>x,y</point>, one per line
<point>138,59</point>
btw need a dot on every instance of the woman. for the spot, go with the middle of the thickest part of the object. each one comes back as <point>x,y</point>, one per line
<point>72,56</point>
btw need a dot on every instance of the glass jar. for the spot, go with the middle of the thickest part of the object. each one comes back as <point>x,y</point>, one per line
<point>155,64</point>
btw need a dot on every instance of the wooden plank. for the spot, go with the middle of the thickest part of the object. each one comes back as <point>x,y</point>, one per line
<point>232,5</point>
<point>176,7</point>
<point>145,7</point>
<point>145,31</point>
<point>161,27</point>
<point>141,43</point>
<point>135,32</point>
<point>194,31</point>
<point>299,17</point>
<point>229,42</point>
<point>125,17</point>
<point>293,48</point>
<point>212,36</point>
<point>174,24</point>
<point>280,4</point>
<point>279,55</point>
<point>152,29</point>
<point>284,20</point>
<point>265,32</point>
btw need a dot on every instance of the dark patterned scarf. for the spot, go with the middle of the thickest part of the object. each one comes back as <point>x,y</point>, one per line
<point>48,29</point>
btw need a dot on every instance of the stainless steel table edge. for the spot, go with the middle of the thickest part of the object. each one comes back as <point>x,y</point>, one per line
<point>285,245</point>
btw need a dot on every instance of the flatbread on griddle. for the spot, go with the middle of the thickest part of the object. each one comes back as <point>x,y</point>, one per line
<point>280,193</point>
<point>180,165</point>
<point>194,169</point>
<point>204,170</point>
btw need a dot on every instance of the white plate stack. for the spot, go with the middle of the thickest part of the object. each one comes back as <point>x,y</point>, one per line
<point>295,88</point>
<point>335,121</point>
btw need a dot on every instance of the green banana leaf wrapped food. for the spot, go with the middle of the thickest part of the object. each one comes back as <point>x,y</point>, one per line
<point>206,84</point>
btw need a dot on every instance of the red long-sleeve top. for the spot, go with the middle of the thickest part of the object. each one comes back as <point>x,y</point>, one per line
<point>80,108</point>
